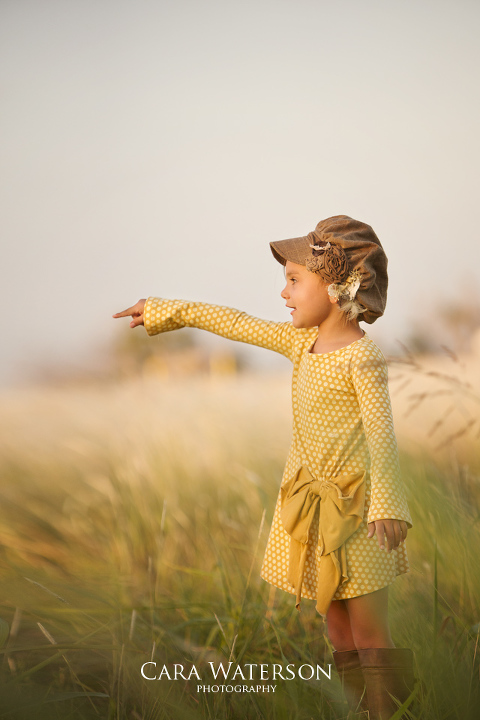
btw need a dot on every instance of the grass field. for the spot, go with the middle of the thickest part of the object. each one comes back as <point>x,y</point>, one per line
<point>134,517</point>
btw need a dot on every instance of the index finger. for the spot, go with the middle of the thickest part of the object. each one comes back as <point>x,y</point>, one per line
<point>125,313</point>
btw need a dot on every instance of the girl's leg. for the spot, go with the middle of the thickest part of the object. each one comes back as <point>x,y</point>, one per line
<point>368,615</point>
<point>345,655</point>
<point>338,626</point>
<point>388,671</point>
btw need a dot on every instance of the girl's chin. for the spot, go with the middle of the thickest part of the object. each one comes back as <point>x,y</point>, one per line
<point>297,323</point>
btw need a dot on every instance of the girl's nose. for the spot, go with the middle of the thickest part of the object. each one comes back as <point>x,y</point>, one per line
<point>284,293</point>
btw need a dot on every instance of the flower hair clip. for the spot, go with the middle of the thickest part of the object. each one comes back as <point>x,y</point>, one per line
<point>329,261</point>
<point>348,289</point>
<point>345,293</point>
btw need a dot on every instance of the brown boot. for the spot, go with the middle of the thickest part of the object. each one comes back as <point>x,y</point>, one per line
<point>387,671</point>
<point>351,675</point>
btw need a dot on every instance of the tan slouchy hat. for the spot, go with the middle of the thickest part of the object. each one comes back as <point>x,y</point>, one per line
<point>362,252</point>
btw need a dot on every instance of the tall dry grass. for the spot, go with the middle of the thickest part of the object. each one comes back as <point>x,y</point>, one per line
<point>134,519</point>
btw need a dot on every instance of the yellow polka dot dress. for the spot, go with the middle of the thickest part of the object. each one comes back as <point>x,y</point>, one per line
<point>342,423</point>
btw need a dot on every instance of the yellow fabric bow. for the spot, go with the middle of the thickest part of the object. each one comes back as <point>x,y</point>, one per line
<point>342,501</point>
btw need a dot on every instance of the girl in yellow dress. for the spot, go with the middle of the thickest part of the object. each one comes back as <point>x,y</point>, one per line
<point>341,516</point>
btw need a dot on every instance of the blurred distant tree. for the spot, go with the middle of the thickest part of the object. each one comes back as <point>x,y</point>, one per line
<point>181,352</point>
<point>133,349</point>
<point>461,321</point>
<point>452,324</point>
<point>137,345</point>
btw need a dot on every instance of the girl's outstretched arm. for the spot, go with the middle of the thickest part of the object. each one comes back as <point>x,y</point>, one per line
<point>159,315</point>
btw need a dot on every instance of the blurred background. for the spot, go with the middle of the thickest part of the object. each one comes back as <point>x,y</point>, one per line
<point>156,147</point>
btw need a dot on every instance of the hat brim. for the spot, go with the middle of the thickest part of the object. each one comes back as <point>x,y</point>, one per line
<point>296,250</point>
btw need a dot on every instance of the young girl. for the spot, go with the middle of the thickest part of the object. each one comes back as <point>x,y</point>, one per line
<point>341,516</point>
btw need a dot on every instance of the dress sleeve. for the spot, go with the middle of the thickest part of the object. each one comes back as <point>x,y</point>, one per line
<point>370,380</point>
<point>163,315</point>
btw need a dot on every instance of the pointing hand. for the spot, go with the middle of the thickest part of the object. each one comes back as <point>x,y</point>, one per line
<point>136,312</point>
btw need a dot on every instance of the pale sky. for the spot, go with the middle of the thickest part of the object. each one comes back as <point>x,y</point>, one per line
<point>156,148</point>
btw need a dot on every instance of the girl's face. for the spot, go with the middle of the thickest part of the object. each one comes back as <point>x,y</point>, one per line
<point>307,295</point>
